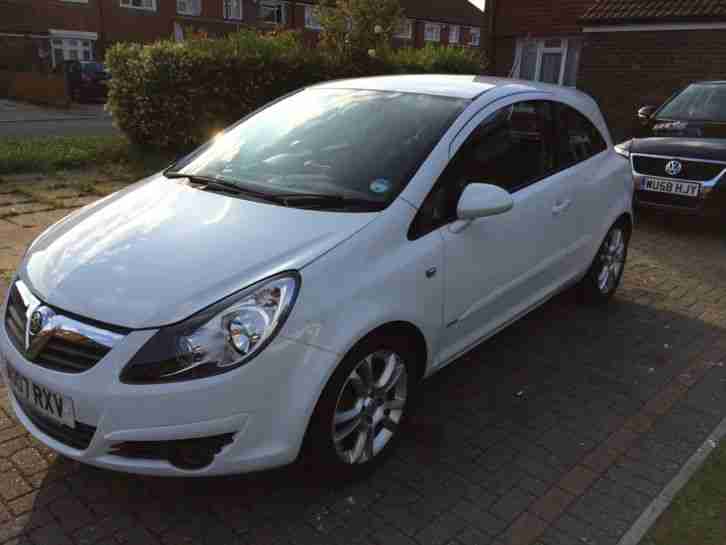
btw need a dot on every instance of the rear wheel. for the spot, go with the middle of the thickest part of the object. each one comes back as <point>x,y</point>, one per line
<point>604,276</point>
<point>362,411</point>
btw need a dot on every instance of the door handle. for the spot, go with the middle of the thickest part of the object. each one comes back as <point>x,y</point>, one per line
<point>561,206</point>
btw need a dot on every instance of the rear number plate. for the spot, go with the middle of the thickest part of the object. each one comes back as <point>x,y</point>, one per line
<point>685,189</point>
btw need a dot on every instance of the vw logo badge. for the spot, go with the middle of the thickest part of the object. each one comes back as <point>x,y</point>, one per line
<point>673,168</point>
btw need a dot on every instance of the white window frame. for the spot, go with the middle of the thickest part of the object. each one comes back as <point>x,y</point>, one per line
<point>458,34</point>
<point>66,45</point>
<point>129,5</point>
<point>437,27</point>
<point>311,21</point>
<point>229,15</point>
<point>283,7</point>
<point>475,31</point>
<point>405,32</point>
<point>542,50</point>
<point>195,7</point>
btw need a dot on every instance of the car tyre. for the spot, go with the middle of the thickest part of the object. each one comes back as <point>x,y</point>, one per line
<point>362,412</point>
<point>604,275</point>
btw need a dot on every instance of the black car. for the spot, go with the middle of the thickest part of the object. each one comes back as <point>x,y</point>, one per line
<point>679,153</point>
<point>87,80</point>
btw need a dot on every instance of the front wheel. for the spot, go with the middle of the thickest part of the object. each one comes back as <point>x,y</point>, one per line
<point>360,415</point>
<point>606,271</point>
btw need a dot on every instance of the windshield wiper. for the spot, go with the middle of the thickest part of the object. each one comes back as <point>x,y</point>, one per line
<point>221,185</point>
<point>326,200</point>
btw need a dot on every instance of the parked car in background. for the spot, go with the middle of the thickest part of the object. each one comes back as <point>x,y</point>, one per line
<point>286,287</point>
<point>87,80</point>
<point>679,153</point>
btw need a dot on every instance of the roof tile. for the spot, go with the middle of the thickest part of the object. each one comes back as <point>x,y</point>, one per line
<point>642,11</point>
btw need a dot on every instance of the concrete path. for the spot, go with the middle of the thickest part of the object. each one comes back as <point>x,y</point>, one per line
<point>19,119</point>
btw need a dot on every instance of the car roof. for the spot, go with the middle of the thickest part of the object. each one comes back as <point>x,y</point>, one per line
<point>463,87</point>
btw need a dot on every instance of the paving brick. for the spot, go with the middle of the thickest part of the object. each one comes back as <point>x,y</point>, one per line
<point>600,459</point>
<point>512,504</point>
<point>578,480</point>
<point>52,534</point>
<point>525,530</point>
<point>621,440</point>
<point>12,485</point>
<point>550,506</point>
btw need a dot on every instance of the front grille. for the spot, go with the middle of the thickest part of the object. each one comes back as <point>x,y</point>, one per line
<point>692,170</point>
<point>666,199</point>
<point>67,349</point>
<point>15,319</point>
<point>70,357</point>
<point>78,437</point>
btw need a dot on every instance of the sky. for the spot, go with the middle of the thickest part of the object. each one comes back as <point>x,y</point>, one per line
<point>478,3</point>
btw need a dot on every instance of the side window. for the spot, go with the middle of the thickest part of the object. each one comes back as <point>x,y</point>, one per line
<point>578,138</point>
<point>512,148</point>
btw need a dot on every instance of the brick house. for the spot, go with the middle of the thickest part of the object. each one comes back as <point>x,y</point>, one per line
<point>43,32</point>
<point>626,53</point>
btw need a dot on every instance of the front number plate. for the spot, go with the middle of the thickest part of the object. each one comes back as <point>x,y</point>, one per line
<point>46,402</point>
<point>685,189</point>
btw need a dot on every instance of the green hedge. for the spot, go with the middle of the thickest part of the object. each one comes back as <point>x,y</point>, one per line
<point>176,95</point>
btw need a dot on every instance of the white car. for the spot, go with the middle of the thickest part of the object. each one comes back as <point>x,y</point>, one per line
<point>284,288</point>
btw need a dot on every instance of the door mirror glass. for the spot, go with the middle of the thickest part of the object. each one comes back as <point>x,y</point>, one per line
<point>646,112</point>
<point>481,200</point>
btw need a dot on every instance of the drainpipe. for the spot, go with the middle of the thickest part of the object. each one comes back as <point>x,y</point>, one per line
<point>491,7</point>
<point>101,33</point>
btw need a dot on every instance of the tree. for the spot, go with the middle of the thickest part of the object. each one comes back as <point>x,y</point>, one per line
<point>357,27</point>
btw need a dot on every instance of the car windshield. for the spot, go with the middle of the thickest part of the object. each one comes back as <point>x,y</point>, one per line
<point>698,102</point>
<point>342,143</point>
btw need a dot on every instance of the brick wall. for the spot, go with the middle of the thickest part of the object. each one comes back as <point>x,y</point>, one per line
<point>539,17</point>
<point>625,70</point>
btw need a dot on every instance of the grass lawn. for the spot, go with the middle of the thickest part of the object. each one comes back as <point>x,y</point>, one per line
<point>698,514</point>
<point>52,154</point>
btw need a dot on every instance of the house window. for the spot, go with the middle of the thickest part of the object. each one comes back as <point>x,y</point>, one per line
<point>149,5</point>
<point>474,37</point>
<point>312,21</point>
<point>549,60</point>
<point>189,7</point>
<point>405,30</point>
<point>273,12</point>
<point>70,49</point>
<point>454,34</point>
<point>233,9</point>
<point>432,32</point>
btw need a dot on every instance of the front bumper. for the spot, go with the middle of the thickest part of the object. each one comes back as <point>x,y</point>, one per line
<point>712,204</point>
<point>266,404</point>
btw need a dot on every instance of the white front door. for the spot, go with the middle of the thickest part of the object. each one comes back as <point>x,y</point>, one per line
<point>497,268</point>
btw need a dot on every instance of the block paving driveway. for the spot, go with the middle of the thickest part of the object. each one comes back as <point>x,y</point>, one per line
<point>558,431</point>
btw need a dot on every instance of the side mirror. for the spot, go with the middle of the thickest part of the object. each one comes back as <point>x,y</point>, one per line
<point>481,200</point>
<point>646,112</point>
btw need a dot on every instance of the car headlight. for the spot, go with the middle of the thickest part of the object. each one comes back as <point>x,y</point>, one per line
<point>223,337</point>
<point>623,149</point>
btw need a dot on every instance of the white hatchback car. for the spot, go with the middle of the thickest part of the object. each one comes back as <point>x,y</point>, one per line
<point>286,286</point>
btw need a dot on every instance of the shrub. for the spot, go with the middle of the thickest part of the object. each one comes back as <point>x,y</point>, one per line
<point>176,95</point>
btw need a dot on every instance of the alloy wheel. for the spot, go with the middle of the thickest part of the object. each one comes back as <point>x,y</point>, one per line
<point>370,407</point>
<point>612,260</point>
